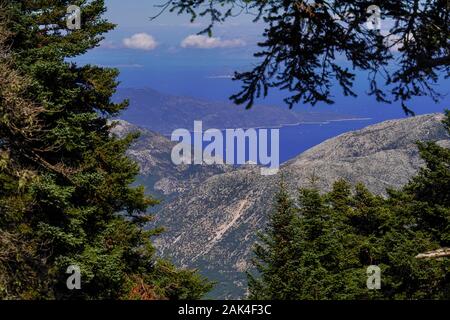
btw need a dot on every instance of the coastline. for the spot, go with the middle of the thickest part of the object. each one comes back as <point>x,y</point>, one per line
<point>283,125</point>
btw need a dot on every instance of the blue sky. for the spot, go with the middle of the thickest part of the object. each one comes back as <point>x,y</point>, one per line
<point>166,54</point>
<point>137,39</point>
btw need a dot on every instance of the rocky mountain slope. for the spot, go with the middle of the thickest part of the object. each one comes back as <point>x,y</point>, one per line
<point>152,151</point>
<point>213,219</point>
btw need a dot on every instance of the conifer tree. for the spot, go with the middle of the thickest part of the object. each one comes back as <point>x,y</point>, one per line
<point>432,186</point>
<point>326,265</point>
<point>337,235</point>
<point>17,126</point>
<point>67,178</point>
<point>274,253</point>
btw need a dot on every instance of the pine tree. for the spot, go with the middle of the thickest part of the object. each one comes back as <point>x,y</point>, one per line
<point>18,125</point>
<point>420,222</point>
<point>274,253</point>
<point>72,178</point>
<point>327,264</point>
<point>309,229</point>
<point>337,235</point>
<point>432,186</point>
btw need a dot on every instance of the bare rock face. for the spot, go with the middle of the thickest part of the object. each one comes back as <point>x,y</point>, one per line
<point>152,151</point>
<point>381,156</point>
<point>215,213</point>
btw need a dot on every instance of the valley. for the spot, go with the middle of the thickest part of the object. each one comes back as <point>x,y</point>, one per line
<point>213,213</point>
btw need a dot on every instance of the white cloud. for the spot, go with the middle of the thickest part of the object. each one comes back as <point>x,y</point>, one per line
<point>205,42</point>
<point>140,41</point>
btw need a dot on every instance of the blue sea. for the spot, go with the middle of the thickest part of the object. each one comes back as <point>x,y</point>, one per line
<point>205,79</point>
<point>215,84</point>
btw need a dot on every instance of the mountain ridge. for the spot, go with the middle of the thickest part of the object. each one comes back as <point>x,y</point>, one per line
<point>213,220</point>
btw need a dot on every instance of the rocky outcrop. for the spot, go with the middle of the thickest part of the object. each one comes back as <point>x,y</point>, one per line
<point>152,151</point>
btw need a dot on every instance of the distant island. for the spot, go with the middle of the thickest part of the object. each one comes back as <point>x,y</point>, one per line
<point>164,113</point>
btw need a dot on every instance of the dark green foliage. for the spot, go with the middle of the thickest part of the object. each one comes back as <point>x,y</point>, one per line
<point>339,234</point>
<point>65,194</point>
<point>276,252</point>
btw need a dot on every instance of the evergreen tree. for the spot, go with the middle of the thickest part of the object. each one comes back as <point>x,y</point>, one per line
<point>432,187</point>
<point>274,254</point>
<point>420,221</point>
<point>65,181</point>
<point>328,265</point>
<point>337,235</point>
<point>310,224</point>
<point>18,266</point>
